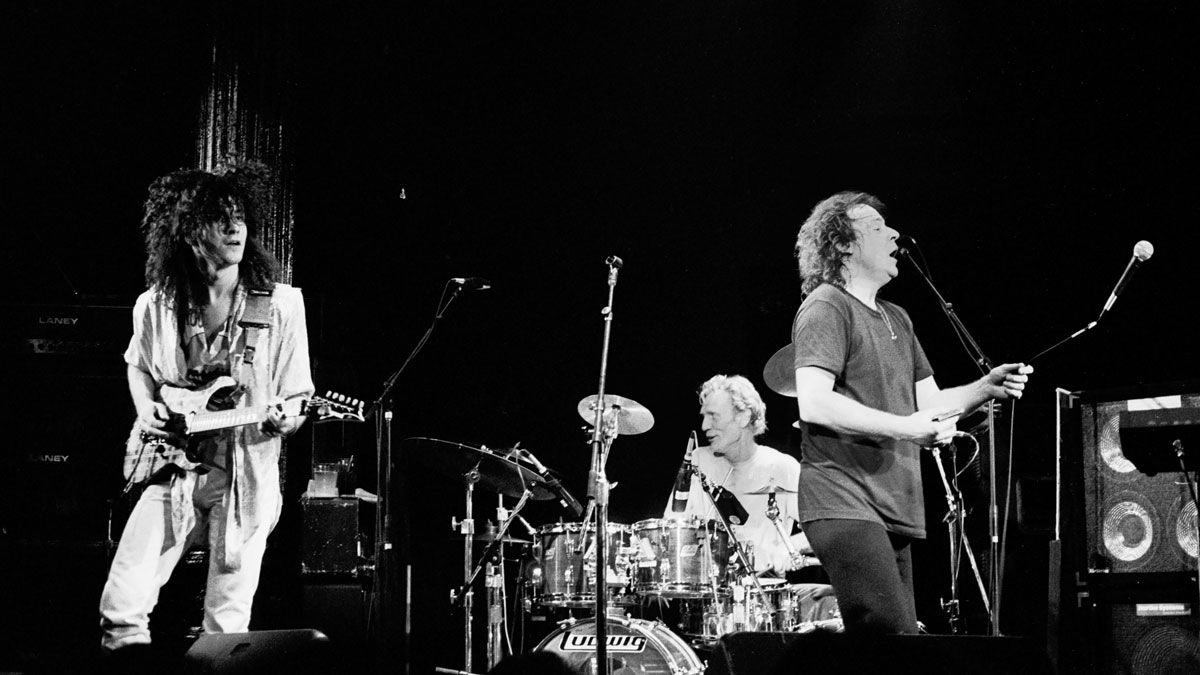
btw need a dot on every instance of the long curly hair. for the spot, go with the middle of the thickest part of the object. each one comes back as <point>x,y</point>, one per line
<point>825,238</point>
<point>181,206</point>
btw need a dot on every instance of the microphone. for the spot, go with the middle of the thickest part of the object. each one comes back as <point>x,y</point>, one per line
<point>614,261</point>
<point>565,498</point>
<point>950,443</point>
<point>1141,253</point>
<point>472,283</point>
<point>683,481</point>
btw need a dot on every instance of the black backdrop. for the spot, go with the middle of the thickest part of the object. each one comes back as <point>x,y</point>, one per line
<point>1026,148</point>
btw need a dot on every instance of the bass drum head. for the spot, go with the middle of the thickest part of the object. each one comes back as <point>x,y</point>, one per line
<point>634,646</point>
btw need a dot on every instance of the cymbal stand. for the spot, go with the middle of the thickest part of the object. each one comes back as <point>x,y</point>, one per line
<point>773,516</point>
<point>494,582</point>
<point>956,523</point>
<point>464,596</point>
<point>598,482</point>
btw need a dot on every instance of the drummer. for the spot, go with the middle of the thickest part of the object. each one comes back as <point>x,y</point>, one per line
<point>733,415</point>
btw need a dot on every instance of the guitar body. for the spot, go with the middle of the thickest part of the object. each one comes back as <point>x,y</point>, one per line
<point>198,414</point>
<point>147,458</point>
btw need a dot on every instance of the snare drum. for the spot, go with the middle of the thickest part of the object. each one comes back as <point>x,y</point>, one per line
<point>633,645</point>
<point>680,558</point>
<point>567,556</point>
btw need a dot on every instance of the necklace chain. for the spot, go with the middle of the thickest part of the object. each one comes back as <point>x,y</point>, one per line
<point>886,320</point>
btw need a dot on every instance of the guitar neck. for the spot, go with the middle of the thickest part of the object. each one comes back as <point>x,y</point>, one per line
<point>225,419</point>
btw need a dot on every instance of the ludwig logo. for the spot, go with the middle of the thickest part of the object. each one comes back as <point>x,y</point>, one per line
<point>629,644</point>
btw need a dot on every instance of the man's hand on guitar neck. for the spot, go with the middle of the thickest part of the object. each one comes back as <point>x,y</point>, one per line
<point>280,424</point>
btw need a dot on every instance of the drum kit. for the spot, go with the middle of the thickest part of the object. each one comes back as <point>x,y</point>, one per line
<point>647,565</point>
<point>698,565</point>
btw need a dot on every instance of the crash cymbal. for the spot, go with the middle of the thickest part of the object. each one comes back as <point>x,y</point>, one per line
<point>632,417</point>
<point>496,472</point>
<point>780,371</point>
<point>768,489</point>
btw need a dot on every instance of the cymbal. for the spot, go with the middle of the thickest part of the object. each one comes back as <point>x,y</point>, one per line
<point>780,371</point>
<point>495,471</point>
<point>768,489</point>
<point>487,537</point>
<point>632,417</point>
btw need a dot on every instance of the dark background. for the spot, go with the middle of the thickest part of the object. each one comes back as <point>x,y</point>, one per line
<point>1027,148</point>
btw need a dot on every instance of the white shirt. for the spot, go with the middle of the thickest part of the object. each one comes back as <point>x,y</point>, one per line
<point>766,468</point>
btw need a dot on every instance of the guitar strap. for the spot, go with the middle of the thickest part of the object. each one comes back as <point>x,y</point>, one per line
<point>255,319</point>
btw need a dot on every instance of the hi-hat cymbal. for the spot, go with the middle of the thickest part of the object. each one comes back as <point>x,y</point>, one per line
<point>768,489</point>
<point>632,417</point>
<point>491,470</point>
<point>487,537</point>
<point>780,371</point>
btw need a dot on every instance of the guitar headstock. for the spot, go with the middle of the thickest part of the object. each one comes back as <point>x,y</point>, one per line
<point>334,406</point>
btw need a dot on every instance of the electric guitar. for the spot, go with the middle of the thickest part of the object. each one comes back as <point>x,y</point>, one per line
<point>197,414</point>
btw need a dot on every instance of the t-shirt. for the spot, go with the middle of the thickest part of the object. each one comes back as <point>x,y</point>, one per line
<point>767,467</point>
<point>876,360</point>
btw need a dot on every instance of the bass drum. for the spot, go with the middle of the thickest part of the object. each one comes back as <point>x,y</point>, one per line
<point>634,646</point>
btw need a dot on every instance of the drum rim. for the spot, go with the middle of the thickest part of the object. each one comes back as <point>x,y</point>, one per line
<point>575,527</point>
<point>690,522</point>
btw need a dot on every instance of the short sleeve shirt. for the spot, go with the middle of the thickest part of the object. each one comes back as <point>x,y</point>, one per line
<point>876,360</point>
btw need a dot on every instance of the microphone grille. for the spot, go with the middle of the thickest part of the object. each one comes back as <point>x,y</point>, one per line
<point>1143,250</point>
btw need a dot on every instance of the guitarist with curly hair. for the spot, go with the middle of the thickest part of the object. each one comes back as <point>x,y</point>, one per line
<point>215,334</point>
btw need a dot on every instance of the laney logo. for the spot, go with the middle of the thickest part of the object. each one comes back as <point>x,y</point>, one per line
<point>49,459</point>
<point>631,644</point>
<point>59,320</point>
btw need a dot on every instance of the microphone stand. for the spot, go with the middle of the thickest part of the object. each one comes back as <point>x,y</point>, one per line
<point>956,522</point>
<point>598,482</point>
<point>738,549</point>
<point>383,480</point>
<point>975,352</point>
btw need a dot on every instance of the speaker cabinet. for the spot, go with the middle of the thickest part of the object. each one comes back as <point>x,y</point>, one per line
<point>338,610</point>
<point>1143,624</point>
<point>331,544</point>
<point>837,653</point>
<point>265,651</point>
<point>1135,522</point>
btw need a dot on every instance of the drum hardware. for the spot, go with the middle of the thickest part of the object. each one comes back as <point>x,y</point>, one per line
<point>797,559</point>
<point>738,548</point>
<point>502,474</point>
